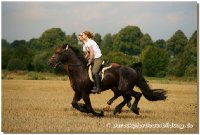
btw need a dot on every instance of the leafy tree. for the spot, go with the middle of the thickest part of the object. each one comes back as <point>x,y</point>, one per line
<point>40,61</point>
<point>191,53</point>
<point>176,43</point>
<point>29,59</point>
<point>191,70</point>
<point>72,39</point>
<point>36,44</point>
<point>192,48</point>
<point>21,51</point>
<point>15,64</point>
<point>52,37</point>
<point>185,63</point>
<point>97,39</point>
<point>17,43</point>
<point>160,44</point>
<point>145,41</point>
<point>120,58</point>
<point>127,40</point>
<point>177,65</point>
<point>5,43</point>
<point>107,43</point>
<point>154,61</point>
<point>119,48</point>
<point>7,54</point>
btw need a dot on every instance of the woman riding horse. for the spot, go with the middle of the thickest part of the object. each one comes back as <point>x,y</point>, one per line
<point>94,56</point>
<point>122,78</point>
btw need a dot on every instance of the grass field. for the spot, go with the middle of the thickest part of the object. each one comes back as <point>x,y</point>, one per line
<point>45,106</point>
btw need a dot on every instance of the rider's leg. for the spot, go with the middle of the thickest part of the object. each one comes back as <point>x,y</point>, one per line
<point>95,72</point>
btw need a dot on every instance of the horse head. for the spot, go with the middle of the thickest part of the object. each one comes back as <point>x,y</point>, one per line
<point>59,56</point>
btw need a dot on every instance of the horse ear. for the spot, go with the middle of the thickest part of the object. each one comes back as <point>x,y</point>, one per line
<point>65,46</point>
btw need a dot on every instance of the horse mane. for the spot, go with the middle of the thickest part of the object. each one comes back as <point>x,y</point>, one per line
<point>78,53</point>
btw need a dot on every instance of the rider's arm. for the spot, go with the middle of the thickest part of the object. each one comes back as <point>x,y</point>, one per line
<point>91,54</point>
<point>87,55</point>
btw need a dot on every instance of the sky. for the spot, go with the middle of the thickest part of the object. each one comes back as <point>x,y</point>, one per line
<point>27,20</point>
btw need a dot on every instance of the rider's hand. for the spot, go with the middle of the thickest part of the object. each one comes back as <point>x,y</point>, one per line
<point>88,64</point>
<point>89,61</point>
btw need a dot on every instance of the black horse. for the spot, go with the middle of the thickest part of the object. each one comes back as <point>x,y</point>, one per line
<point>121,79</point>
<point>136,66</point>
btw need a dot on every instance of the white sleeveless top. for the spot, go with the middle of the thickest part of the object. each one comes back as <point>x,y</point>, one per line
<point>95,47</point>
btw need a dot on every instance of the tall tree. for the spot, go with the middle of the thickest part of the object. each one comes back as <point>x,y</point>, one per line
<point>155,61</point>
<point>36,44</point>
<point>52,37</point>
<point>191,53</point>
<point>7,54</point>
<point>107,43</point>
<point>18,43</point>
<point>5,43</point>
<point>160,44</point>
<point>97,38</point>
<point>72,39</point>
<point>185,63</point>
<point>176,43</point>
<point>145,41</point>
<point>127,40</point>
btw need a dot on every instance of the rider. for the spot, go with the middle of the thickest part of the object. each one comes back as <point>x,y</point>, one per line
<point>87,54</point>
<point>92,53</point>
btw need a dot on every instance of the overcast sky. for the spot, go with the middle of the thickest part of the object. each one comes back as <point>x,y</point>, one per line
<point>26,20</point>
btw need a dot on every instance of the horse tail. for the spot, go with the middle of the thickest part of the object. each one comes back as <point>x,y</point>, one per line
<point>150,94</point>
<point>137,66</point>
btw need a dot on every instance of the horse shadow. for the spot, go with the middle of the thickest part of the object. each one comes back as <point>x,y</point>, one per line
<point>108,113</point>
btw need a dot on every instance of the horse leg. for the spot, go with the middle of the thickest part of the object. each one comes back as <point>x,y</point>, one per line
<point>116,95</point>
<point>129,104</point>
<point>137,96</point>
<point>88,105</point>
<point>118,108</point>
<point>77,106</point>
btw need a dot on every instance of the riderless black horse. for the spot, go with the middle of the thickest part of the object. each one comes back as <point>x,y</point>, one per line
<point>121,79</point>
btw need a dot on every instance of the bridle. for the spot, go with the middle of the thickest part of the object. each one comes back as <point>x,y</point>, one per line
<point>66,49</point>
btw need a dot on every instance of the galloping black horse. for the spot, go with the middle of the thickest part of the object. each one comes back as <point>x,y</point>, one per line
<point>120,79</point>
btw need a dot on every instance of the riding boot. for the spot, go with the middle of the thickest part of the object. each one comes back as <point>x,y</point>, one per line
<point>97,82</point>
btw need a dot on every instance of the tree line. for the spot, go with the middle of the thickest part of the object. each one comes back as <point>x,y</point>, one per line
<point>176,56</point>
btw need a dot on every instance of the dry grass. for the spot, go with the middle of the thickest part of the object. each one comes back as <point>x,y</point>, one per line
<point>45,106</point>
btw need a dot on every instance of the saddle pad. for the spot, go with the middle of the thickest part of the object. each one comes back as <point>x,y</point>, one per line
<point>101,72</point>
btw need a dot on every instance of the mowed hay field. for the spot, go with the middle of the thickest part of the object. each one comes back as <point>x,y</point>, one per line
<point>45,106</point>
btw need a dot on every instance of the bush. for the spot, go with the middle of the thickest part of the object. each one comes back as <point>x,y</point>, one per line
<point>120,58</point>
<point>40,62</point>
<point>35,76</point>
<point>15,64</point>
<point>161,74</point>
<point>154,61</point>
<point>191,70</point>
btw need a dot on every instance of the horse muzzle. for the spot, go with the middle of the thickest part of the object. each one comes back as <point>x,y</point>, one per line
<point>53,64</point>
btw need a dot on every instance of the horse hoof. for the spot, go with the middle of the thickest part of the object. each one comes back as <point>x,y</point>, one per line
<point>114,112</point>
<point>101,114</point>
<point>109,102</point>
<point>136,111</point>
<point>129,104</point>
<point>117,111</point>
